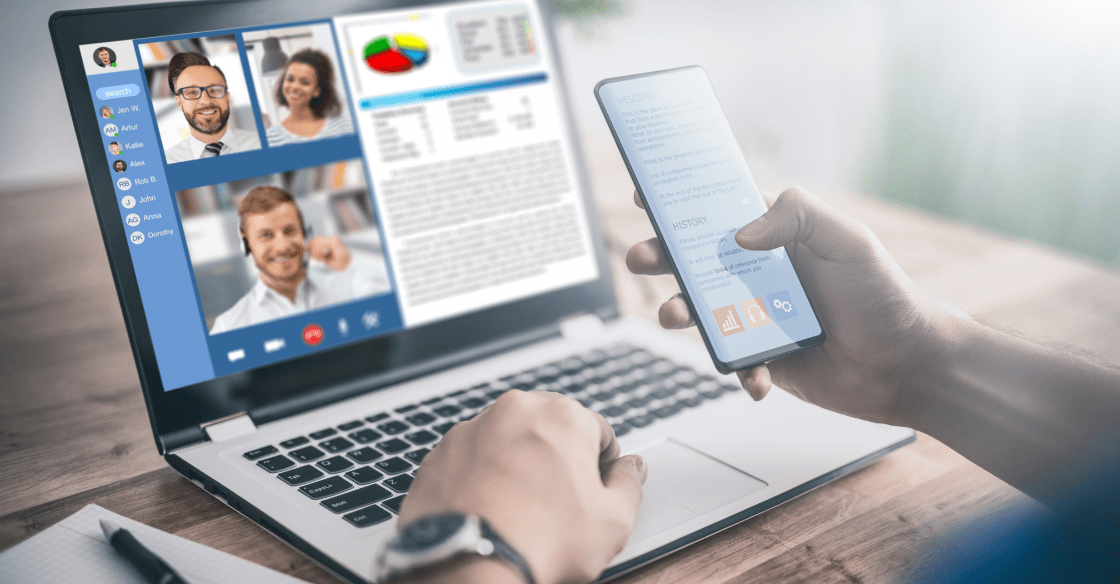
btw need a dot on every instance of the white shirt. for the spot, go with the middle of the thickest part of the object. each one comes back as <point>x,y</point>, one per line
<point>233,141</point>
<point>278,135</point>
<point>322,287</point>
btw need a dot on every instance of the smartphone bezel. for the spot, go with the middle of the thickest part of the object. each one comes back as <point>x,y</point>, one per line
<point>721,366</point>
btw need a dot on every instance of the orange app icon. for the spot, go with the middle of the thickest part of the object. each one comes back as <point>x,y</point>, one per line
<point>756,312</point>
<point>728,320</point>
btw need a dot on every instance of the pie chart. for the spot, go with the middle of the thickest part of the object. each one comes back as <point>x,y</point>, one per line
<point>396,53</point>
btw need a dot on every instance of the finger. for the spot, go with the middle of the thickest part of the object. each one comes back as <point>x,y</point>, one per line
<point>798,216</point>
<point>625,477</point>
<point>638,200</point>
<point>647,258</point>
<point>608,443</point>
<point>674,314</point>
<point>756,380</point>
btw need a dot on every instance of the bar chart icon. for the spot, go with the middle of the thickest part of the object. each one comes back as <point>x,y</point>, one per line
<point>728,320</point>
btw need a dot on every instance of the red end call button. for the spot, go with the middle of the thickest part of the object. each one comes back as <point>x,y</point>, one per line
<point>312,334</point>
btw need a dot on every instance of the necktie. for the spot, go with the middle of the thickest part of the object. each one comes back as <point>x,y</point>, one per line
<point>214,149</point>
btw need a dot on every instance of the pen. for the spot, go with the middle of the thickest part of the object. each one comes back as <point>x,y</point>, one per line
<point>154,569</point>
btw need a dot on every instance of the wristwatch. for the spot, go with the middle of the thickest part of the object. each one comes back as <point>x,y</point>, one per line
<point>439,538</point>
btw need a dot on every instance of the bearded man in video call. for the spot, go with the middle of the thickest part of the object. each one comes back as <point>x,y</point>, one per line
<point>202,94</point>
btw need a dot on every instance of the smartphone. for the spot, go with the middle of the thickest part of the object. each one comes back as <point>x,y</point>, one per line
<point>692,177</point>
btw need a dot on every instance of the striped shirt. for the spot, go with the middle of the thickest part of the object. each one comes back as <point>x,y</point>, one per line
<point>278,135</point>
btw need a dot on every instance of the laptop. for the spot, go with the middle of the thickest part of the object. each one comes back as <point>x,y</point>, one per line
<point>339,228</point>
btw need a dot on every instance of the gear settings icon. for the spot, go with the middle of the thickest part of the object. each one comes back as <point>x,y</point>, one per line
<point>783,305</point>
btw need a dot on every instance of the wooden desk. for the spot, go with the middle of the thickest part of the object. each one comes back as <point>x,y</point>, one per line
<point>75,431</point>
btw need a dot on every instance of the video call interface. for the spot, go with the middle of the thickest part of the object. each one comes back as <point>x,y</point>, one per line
<point>290,188</point>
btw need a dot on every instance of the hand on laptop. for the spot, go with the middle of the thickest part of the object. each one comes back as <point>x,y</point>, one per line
<point>545,472</point>
<point>876,320</point>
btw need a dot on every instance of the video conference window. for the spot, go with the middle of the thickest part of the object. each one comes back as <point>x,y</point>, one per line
<point>274,246</point>
<point>200,97</point>
<point>298,84</point>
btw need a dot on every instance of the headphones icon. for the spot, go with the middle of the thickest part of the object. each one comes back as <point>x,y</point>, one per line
<point>750,315</point>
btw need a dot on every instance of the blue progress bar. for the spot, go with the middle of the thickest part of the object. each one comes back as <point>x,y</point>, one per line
<point>427,94</point>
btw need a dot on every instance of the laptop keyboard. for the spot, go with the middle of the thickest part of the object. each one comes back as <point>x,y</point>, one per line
<point>361,469</point>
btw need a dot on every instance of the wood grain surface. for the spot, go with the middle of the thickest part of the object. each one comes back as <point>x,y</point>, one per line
<point>75,430</point>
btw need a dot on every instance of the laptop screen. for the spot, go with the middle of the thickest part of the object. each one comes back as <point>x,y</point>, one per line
<point>295,187</point>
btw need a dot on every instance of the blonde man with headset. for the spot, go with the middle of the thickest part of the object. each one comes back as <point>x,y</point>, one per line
<point>274,234</point>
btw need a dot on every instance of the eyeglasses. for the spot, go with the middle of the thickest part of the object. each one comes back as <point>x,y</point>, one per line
<point>214,91</point>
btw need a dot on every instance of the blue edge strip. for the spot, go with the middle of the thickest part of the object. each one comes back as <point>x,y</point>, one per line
<point>429,94</point>
<point>254,514</point>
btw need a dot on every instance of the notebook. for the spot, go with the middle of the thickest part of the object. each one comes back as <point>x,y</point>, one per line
<point>75,550</point>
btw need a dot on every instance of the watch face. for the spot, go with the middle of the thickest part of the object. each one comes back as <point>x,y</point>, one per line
<point>429,532</point>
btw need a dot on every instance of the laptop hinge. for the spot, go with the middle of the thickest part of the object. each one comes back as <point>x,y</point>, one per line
<point>229,427</point>
<point>581,326</point>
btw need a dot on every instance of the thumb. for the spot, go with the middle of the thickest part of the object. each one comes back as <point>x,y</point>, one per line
<point>625,477</point>
<point>799,217</point>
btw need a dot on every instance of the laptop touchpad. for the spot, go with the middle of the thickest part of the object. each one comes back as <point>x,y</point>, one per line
<point>683,484</point>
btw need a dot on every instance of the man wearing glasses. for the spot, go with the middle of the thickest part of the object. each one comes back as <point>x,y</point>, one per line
<point>203,97</point>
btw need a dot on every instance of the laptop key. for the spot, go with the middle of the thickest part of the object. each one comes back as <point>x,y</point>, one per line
<point>421,419</point>
<point>394,504</point>
<point>448,410</point>
<point>355,499</point>
<point>365,435</point>
<point>350,425</point>
<point>363,475</point>
<point>276,463</point>
<point>364,455</point>
<point>417,455</point>
<point>692,402</point>
<point>337,444</point>
<point>444,427</point>
<point>641,421</point>
<point>640,402</point>
<point>394,446</point>
<point>399,483</point>
<point>393,427</point>
<point>434,400</point>
<point>306,454</point>
<point>615,411</point>
<point>377,417</point>
<point>392,466</point>
<point>323,433</point>
<point>294,442</point>
<point>298,476</point>
<point>667,411</point>
<point>371,515</point>
<point>475,402</point>
<point>326,488</point>
<point>421,437</point>
<point>334,464</point>
<point>405,409</point>
<point>259,452</point>
<point>621,428</point>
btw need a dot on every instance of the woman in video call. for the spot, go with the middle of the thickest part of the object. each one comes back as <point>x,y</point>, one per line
<point>306,88</point>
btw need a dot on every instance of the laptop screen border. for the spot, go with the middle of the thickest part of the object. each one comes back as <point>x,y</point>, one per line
<point>289,387</point>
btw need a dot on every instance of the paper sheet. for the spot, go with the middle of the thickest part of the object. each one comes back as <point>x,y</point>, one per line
<point>75,550</point>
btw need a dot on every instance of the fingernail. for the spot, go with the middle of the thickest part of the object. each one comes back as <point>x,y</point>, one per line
<point>640,464</point>
<point>753,229</point>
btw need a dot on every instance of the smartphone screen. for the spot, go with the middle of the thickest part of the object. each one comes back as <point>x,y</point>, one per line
<point>688,168</point>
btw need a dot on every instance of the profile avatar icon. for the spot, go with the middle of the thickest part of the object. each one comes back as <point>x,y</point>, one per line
<point>111,130</point>
<point>106,111</point>
<point>120,166</point>
<point>115,148</point>
<point>105,57</point>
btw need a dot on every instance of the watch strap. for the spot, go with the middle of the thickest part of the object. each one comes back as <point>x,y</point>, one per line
<point>504,551</point>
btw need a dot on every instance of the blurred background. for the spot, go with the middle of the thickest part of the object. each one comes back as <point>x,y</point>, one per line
<point>1004,114</point>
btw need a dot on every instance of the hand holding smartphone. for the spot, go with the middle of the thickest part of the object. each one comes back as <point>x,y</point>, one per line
<point>750,306</point>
